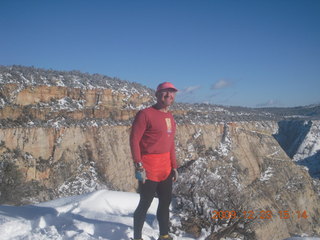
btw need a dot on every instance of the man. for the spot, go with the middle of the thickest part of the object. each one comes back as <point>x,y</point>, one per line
<point>153,151</point>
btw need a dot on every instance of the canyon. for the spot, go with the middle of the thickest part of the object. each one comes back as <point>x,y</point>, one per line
<point>67,133</point>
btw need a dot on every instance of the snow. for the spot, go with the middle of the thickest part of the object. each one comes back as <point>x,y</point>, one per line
<point>308,153</point>
<point>197,134</point>
<point>2,102</point>
<point>85,181</point>
<point>100,215</point>
<point>311,143</point>
<point>265,176</point>
<point>58,123</point>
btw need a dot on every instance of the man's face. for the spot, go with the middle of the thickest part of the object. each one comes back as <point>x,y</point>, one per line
<point>166,97</point>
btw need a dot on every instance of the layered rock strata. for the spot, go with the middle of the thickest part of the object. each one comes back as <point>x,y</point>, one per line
<point>58,140</point>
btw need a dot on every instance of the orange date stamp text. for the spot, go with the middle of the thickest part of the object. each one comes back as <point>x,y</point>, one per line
<point>259,214</point>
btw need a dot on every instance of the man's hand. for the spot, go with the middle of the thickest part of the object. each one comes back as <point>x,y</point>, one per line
<point>140,173</point>
<point>175,175</point>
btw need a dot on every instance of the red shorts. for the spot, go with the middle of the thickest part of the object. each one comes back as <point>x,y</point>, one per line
<point>157,166</point>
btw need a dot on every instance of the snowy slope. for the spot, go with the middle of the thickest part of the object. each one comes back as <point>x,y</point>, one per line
<point>99,215</point>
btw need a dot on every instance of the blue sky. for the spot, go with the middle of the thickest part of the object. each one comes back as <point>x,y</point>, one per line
<point>230,52</point>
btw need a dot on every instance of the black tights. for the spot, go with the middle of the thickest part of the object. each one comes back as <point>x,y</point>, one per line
<point>147,193</point>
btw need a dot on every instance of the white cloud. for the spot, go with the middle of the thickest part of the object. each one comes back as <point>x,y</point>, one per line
<point>221,84</point>
<point>188,90</point>
<point>189,94</point>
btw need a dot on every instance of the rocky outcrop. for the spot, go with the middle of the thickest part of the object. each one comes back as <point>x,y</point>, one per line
<point>56,126</point>
<point>31,95</point>
<point>244,162</point>
<point>48,102</point>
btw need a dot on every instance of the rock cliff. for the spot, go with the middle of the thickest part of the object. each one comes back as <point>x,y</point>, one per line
<point>301,141</point>
<point>241,166</point>
<point>65,133</point>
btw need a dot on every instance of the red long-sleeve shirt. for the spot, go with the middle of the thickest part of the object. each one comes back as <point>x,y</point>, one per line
<point>153,132</point>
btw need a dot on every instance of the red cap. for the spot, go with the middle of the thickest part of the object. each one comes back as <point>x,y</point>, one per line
<point>166,85</point>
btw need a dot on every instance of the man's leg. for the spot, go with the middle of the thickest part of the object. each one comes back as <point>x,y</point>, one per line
<point>147,192</point>
<point>164,191</point>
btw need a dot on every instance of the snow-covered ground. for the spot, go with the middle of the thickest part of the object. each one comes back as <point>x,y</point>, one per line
<point>99,215</point>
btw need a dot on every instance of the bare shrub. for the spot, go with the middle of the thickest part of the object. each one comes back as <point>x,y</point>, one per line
<point>209,197</point>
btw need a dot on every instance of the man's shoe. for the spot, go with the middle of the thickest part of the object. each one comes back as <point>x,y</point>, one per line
<point>165,237</point>
<point>136,239</point>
